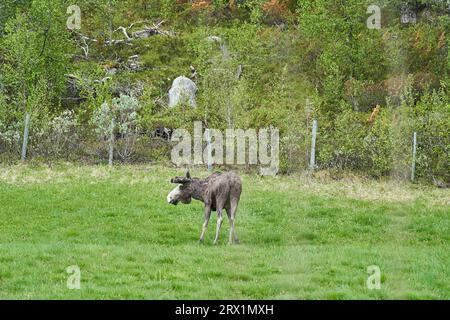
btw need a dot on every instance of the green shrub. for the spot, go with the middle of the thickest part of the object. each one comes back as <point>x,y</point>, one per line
<point>431,122</point>
<point>355,144</point>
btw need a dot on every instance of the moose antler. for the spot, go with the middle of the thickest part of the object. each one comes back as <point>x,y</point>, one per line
<point>181,180</point>
<point>185,179</point>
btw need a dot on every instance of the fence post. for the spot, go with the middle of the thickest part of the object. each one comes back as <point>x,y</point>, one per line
<point>414,150</point>
<point>312,161</point>
<point>111,142</point>
<point>25,136</point>
<point>209,151</point>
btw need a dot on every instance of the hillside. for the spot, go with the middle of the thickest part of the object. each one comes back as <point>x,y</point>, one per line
<point>255,64</point>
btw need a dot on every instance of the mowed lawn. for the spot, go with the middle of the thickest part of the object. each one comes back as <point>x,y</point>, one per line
<point>301,238</point>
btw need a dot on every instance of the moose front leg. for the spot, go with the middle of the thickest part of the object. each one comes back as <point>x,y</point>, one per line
<point>219,224</point>
<point>205,224</point>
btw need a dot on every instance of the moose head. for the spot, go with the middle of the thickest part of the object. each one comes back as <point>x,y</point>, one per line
<point>183,192</point>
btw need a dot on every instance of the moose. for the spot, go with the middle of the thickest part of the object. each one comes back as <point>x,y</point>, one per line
<point>218,191</point>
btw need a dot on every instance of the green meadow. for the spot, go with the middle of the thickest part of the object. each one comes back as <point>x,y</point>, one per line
<point>301,237</point>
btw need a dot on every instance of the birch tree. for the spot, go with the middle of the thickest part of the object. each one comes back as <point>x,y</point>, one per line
<point>35,53</point>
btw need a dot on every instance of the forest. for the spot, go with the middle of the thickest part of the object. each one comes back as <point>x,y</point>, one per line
<point>88,80</point>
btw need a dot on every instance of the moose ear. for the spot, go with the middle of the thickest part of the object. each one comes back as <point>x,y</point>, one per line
<point>188,175</point>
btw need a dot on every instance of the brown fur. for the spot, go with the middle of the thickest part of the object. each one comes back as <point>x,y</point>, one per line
<point>218,191</point>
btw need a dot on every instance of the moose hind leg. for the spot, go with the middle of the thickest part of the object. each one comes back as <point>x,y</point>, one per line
<point>232,214</point>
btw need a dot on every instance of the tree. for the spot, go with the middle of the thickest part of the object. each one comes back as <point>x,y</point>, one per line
<point>35,52</point>
<point>120,118</point>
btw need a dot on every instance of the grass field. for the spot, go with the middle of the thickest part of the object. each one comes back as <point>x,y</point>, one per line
<point>301,238</point>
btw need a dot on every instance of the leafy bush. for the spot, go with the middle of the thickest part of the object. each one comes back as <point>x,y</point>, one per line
<point>429,117</point>
<point>10,137</point>
<point>431,122</point>
<point>356,144</point>
<point>58,138</point>
<point>118,121</point>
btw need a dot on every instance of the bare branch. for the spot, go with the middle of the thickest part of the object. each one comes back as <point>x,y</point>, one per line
<point>82,42</point>
<point>124,30</point>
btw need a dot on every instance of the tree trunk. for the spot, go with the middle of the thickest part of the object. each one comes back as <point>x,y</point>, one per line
<point>25,136</point>
<point>229,113</point>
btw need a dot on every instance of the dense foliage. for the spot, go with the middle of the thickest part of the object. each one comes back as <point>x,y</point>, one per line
<point>271,63</point>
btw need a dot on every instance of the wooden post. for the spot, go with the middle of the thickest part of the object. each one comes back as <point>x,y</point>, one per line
<point>312,161</point>
<point>26,131</point>
<point>209,150</point>
<point>308,111</point>
<point>414,150</point>
<point>111,142</point>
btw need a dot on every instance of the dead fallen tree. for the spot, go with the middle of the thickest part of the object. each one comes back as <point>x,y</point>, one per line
<point>144,33</point>
<point>83,41</point>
